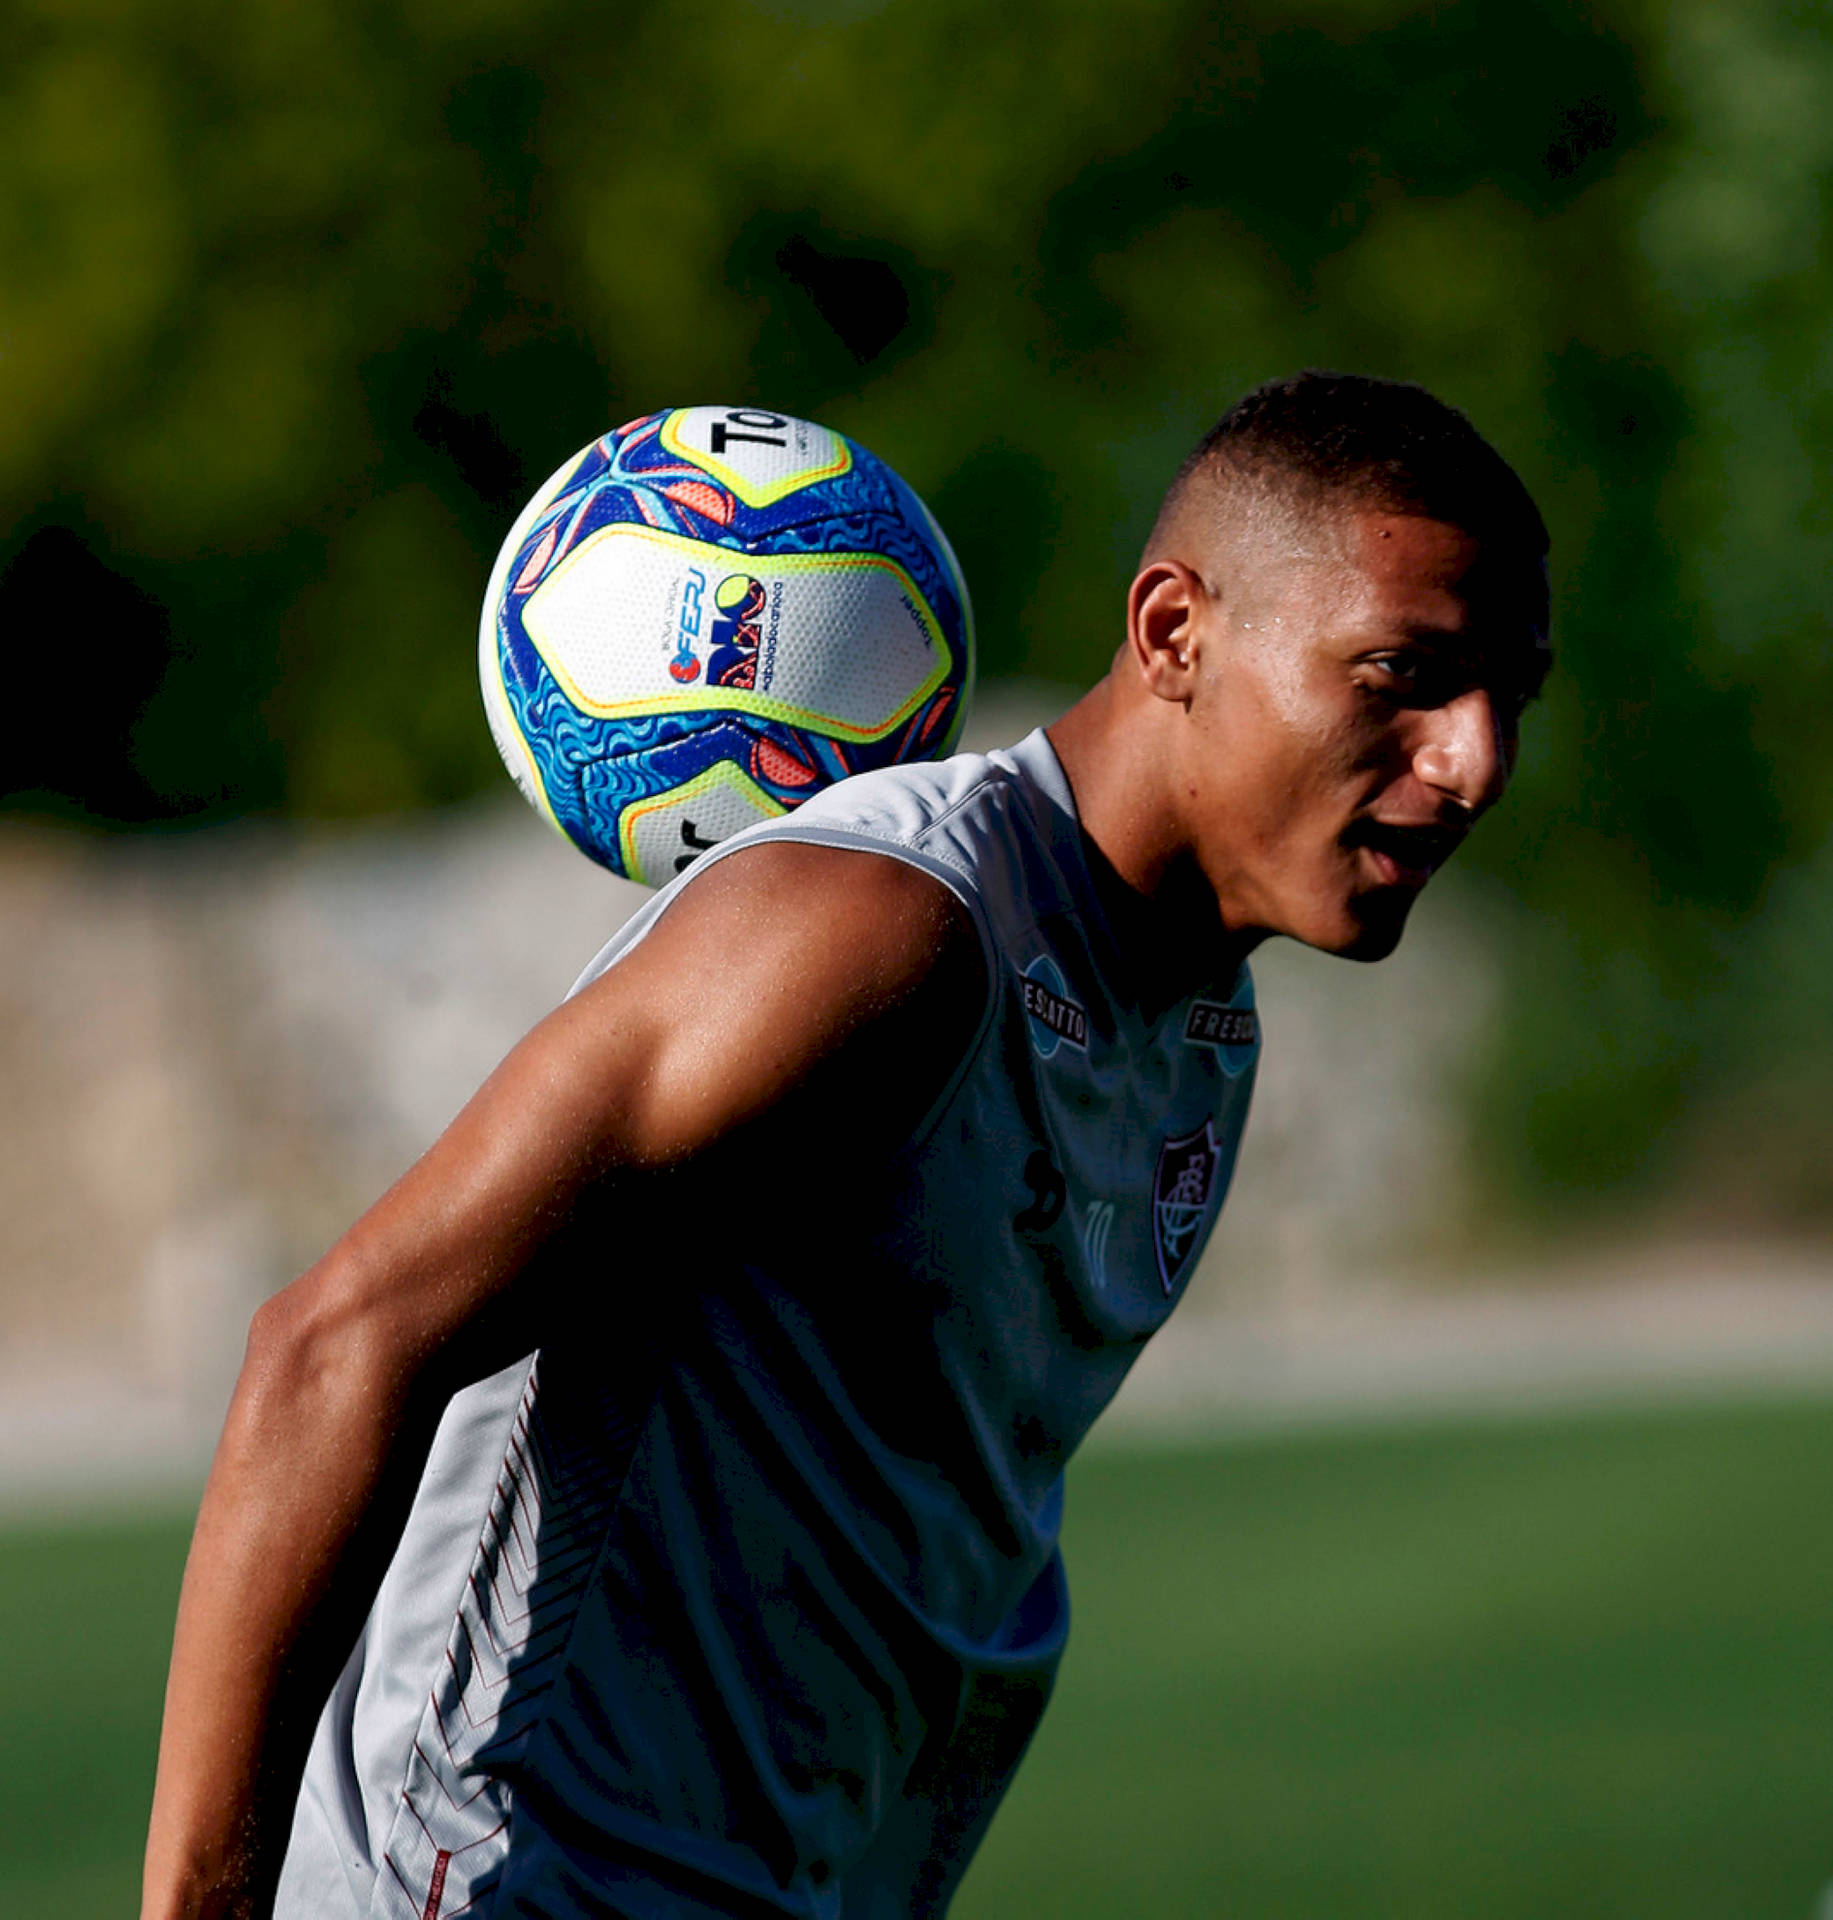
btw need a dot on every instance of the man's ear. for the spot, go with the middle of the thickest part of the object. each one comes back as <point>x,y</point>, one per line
<point>1162,627</point>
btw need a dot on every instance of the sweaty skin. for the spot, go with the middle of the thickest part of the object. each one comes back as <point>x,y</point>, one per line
<point>1291,747</point>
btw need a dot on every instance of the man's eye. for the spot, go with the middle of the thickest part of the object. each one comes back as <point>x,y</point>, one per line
<point>1409,674</point>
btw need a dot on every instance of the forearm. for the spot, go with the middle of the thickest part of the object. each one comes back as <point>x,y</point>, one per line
<point>282,1569</point>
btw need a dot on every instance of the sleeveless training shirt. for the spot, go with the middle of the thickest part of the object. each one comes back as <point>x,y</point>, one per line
<point>751,1608</point>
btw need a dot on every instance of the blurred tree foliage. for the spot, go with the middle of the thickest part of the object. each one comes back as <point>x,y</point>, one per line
<point>298,303</point>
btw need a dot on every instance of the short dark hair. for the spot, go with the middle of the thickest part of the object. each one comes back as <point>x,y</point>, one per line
<point>1384,444</point>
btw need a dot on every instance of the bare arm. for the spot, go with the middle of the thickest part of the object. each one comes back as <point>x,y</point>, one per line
<point>785,967</point>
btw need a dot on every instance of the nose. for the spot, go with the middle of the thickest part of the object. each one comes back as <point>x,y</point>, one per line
<point>1463,752</point>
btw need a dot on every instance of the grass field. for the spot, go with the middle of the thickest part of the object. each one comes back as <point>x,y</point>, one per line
<point>1574,1666</point>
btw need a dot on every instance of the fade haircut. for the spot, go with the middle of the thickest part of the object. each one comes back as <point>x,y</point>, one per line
<point>1318,439</point>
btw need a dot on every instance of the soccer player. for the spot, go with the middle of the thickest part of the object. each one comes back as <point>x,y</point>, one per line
<point>649,1508</point>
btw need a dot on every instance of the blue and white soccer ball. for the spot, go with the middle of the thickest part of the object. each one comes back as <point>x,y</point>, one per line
<point>706,617</point>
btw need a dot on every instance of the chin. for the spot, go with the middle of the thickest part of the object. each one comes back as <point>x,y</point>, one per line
<point>1366,928</point>
<point>1375,943</point>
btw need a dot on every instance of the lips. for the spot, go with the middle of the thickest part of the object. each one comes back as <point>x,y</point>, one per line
<point>1405,853</point>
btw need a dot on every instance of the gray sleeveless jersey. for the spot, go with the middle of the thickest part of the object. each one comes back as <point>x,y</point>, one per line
<point>743,1597</point>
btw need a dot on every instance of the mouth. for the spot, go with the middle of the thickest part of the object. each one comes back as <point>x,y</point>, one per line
<point>1404,853</point>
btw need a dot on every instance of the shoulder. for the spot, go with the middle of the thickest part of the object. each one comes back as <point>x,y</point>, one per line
<point>942,816</point>
<point>787,969</point>
<point>903,804</point>
<point>997,828</point>
<point>803,935</point>
<point>988,829</point>
<point>826,905</point>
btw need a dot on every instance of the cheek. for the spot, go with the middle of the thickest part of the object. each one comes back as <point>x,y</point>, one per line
<point>1259,757</point>
<point>1284,790</point>
<point>1328,749</point>
<point>1318,718</point>
<point>1289,753</point>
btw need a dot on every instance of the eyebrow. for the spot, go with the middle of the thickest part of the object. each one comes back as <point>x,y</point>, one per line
<point>1508,662</point>
<point>1535,643</point>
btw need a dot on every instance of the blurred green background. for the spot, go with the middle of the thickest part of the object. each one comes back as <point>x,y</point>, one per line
<point>297,304</point>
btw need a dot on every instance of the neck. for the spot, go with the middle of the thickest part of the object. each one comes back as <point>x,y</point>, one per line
<point>1122,772</point>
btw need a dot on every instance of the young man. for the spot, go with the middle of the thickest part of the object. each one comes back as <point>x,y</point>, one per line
<point>831,1208</point>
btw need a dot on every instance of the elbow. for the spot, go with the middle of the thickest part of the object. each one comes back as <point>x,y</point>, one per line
<point>316,1352</point>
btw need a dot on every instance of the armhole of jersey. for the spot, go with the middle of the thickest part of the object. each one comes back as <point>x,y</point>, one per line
<point>847,841</point>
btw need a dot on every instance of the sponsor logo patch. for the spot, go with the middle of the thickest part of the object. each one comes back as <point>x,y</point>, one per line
<point>1182,1189</point>
<point>1213,1025</point>
<point>1055,1017</point>
<point>738,610</point>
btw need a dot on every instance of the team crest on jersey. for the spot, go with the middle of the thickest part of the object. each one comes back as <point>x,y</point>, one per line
<point>1054,1017</point>
<point>1181,1192</point>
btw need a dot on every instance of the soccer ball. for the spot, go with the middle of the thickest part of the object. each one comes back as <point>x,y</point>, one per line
<point>706,617</point>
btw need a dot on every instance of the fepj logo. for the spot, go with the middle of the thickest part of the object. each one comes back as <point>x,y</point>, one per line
<point>685,666</point>
<point>738,606</point>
